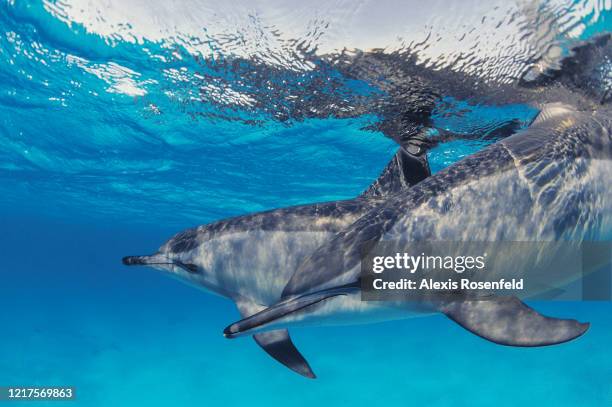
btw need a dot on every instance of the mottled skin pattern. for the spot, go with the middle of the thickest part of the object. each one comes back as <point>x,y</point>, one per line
<point>549,182</point>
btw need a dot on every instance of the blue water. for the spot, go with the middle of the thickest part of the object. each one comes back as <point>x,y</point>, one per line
<point>108,147</point>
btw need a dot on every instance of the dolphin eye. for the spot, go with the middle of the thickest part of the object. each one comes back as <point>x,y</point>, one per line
<point>191,268</point>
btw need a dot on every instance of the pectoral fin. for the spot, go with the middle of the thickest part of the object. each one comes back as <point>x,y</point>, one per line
<point>277,343</point>
<point>508,321</point>
<point>282,309</point>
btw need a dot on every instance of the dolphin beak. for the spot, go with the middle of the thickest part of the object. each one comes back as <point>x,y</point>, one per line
<point>145,260</point>
<point>134,260</point>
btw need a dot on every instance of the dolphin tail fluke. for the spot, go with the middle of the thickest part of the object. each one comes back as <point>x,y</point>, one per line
<point>508,321</point>
<point>279,345</point>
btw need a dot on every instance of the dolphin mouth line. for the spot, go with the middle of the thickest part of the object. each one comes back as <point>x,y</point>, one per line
<point>141,261</point>
<point>147,261</point>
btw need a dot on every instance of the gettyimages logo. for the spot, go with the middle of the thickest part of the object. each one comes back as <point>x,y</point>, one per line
<point>412,264</point>
<point>391,271</point>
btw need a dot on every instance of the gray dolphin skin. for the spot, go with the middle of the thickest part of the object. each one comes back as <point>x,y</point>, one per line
<point>301,265</point>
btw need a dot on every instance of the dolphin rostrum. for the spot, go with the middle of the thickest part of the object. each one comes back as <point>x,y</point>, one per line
<point>301,265</point>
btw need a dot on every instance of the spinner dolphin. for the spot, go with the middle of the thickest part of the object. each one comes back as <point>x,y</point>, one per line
<point>300,265</point>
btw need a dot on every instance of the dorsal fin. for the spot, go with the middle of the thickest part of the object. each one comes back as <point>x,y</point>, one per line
<point>408,166</point>
<point>277,343</point>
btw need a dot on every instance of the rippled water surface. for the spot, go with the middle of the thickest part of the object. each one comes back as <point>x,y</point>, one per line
<point>221,109</point>
<point>122,122</point>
